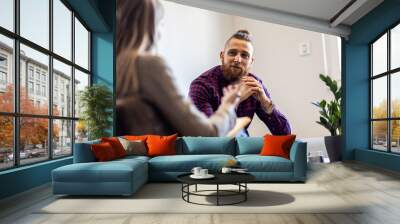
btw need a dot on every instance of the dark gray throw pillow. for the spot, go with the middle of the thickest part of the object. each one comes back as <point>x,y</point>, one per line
<point>135,147</point>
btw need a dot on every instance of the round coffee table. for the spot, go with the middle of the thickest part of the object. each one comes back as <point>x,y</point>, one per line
<point>238,179</point>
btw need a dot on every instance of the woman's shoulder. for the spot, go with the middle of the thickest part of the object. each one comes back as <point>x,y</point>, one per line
<point>154,61</point>
<point>152,67</point>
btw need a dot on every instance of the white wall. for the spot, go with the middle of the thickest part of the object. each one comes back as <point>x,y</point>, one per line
<point>192,39</point>
<point>291,79</point>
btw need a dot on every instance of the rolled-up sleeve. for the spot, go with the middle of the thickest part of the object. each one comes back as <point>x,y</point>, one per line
<point>276,122</point>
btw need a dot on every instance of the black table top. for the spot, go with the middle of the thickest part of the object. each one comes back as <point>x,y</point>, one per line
<point>220,178</point>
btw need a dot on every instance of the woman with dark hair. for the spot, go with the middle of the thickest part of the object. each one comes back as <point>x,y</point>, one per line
<point>148,101</point>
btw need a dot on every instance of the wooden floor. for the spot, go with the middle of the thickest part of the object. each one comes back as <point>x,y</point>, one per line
<point>377,188</point>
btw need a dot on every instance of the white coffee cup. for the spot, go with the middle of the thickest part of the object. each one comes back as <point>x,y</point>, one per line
<point>203,172</point>
<point>226,170</point>
<point>196,171</point>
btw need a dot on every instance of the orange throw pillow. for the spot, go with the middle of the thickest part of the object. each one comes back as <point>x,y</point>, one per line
<point>136,137</point>
<point>103,151</point>
<point>116,145</point>
<point>277,145</point>
<point>161,145</point>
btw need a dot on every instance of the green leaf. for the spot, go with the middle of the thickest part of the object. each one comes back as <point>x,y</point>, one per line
<point>330,111</point>
<point>96,103</point>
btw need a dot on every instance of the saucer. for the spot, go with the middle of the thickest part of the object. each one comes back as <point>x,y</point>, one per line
<point>240,171</point>
<point>208,176</point>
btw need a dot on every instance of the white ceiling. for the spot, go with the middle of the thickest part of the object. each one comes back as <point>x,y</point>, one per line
<point>314,15</point>
<point>321,9</point>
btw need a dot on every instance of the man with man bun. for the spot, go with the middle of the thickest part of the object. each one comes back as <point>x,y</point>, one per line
<point>236,60</point>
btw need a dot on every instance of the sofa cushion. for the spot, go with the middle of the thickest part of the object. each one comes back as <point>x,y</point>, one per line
<point>249,145</point>
<point>206,145</point>
<point>103,152</point>
<point>111,171</point>
<point>135,137</point>
<point>161,145</point>
<point>116,145</point>
<point>83,152</point>
<point>277,145</point>
<point>131,158</point>
<point>185,163</point>
<point>257,163</point>
<point>133,147</point>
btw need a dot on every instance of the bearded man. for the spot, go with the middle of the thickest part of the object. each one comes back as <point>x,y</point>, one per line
<point>236,60</point>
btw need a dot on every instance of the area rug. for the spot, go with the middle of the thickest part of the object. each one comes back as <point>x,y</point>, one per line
<point>167,198</point>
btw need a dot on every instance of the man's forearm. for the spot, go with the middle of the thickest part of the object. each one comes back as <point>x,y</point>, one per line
<point>280,123</point>
<point>276,121</point>
<point>267,105</point>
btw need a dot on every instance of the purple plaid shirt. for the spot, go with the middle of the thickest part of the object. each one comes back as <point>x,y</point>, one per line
<point>206,92</point>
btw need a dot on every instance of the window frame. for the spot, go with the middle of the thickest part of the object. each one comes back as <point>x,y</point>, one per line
<point>5,58</point>
<point>16,114</point>
<point>3,71</point>
<point>388,74</point>
<point>3,77</point>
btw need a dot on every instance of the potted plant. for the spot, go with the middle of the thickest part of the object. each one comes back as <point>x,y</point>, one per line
<point>331,118</point>
<point>96,103</point>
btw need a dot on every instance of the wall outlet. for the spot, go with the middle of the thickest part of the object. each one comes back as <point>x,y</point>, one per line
<point>304,48</point>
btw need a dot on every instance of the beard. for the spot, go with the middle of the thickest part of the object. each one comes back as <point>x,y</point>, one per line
<point>233,73</point>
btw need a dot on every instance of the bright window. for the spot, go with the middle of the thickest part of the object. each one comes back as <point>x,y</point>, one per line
<point>385,91</point>
<point>45,117</point>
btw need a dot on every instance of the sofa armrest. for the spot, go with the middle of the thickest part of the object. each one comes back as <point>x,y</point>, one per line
<point>83,152</point>
<point>298,155</point>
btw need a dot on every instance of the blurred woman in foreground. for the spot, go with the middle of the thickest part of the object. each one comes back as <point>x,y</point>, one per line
<point>148,101</point>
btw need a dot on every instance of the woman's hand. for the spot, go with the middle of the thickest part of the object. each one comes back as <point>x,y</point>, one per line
<point>231,96</point>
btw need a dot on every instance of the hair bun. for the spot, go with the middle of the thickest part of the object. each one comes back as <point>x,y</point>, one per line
<point>246,32</point>
<point>242,35</point>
